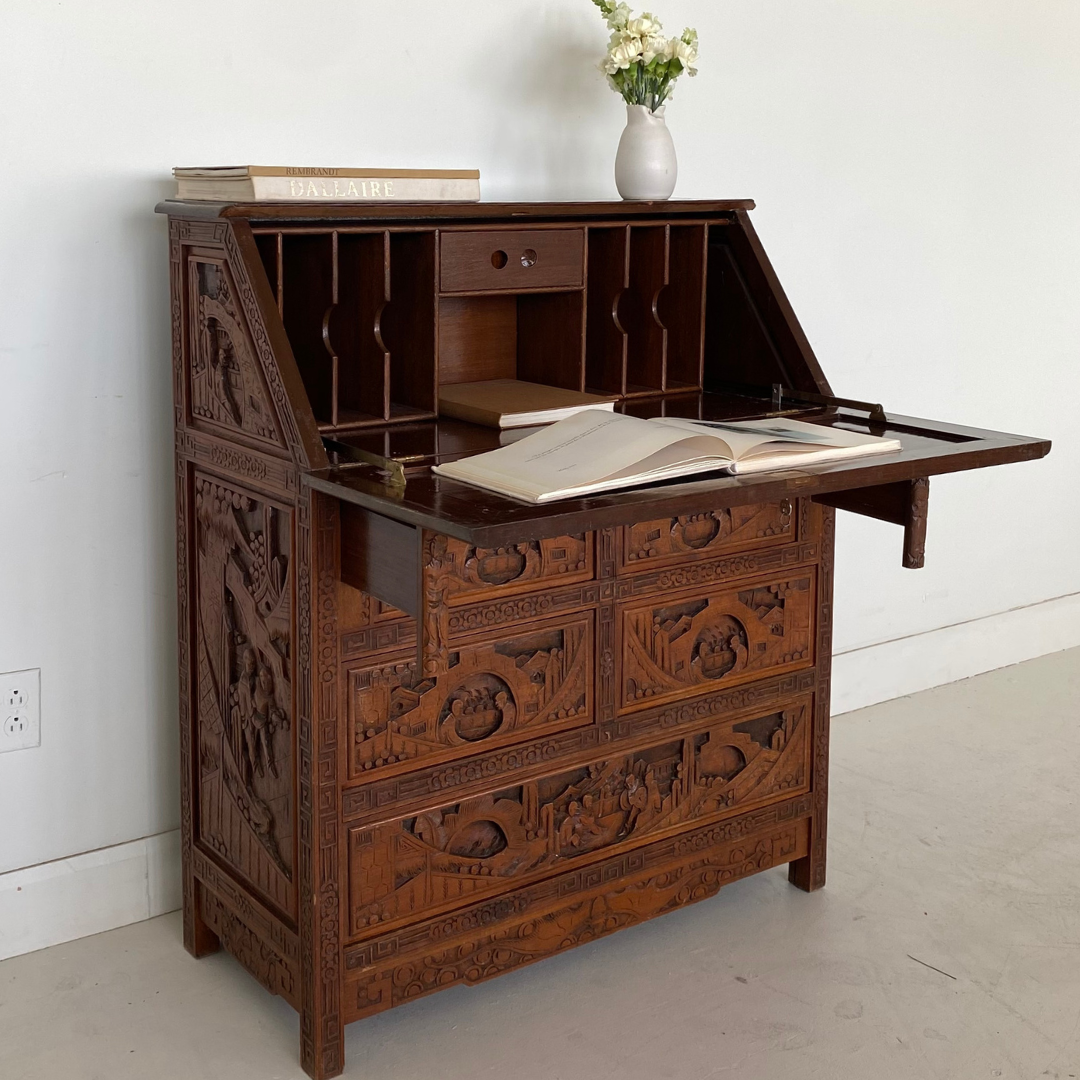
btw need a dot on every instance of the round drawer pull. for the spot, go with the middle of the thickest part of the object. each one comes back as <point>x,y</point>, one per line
<point>498,259</point>
<point>528,257</point>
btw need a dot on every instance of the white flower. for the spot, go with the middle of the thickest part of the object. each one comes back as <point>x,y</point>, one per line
<point>623,53</point>
<point>618,16</point>
<point>686,53</point>
<point>645,26</point>
<point>651,47</point>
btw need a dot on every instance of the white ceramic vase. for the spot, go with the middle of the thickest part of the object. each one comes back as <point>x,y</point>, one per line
<point>645,166</point>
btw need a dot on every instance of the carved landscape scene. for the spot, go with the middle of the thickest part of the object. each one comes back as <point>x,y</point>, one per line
<point>417,864</point>
<point>491,689</point>
<point>244,685</point>
<point>723,637</point>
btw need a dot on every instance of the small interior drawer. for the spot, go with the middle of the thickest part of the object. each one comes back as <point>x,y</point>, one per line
<point>511,260</point>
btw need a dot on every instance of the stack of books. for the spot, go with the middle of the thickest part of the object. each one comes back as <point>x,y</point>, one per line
<point>288,183</point>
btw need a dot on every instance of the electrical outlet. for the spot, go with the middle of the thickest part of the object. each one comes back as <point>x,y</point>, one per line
<point>20,707</point>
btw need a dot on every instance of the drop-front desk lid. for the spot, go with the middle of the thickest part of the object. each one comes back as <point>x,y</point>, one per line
<point>486,519</point>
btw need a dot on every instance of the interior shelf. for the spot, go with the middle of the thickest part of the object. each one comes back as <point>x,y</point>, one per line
<point>378,318</point>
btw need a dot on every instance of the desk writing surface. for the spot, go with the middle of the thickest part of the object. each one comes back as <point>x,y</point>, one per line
<point>488,519</point>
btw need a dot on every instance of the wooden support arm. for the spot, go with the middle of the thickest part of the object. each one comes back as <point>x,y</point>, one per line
<point>403,566</point>
<point>902,503</point>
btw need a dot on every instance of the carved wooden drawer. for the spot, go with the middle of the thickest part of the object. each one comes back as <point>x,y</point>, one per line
<point>672,645</point>
<point>649,545</point>
<point>470,573</point>
<point>450,855</point>
<point>495,690</point>
<point>512,260</point>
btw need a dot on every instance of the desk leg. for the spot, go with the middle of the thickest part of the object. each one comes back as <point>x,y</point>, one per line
<point>809,873</point>
<point>322,1032</point>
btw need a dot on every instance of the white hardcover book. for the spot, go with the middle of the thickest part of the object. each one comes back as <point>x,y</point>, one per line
<point>597,451</point>
<point>273,184</point>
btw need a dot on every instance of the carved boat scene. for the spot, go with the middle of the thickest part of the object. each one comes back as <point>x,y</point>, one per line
<point>656,543</point>
<point>472,569</point>
<point>541,679</point>
<point>724,637</point>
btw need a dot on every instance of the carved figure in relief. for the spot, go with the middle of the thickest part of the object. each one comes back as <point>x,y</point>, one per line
<point>227,386</point>
<point>403,868</point>
<point>260,724</point>
<point>487,690</point>
<point>244,696</point>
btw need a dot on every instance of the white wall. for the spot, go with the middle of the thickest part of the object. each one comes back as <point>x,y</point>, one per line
<point>916,169</point>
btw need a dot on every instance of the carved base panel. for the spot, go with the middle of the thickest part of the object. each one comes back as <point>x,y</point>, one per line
<point>717,637</point>
<point>449,854</point>
<point>278,973</point>
<point>560,913</point>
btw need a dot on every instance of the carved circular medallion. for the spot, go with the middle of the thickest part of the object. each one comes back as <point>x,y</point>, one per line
<point>478,706</point>
<point>720,648</point>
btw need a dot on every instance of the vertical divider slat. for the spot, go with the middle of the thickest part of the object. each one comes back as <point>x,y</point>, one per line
<point>387,358</point>
<point>605,339</point>
<point>280,245</point>
<point>647,336</point>
<point>682,306</point>
<point>335,360</point>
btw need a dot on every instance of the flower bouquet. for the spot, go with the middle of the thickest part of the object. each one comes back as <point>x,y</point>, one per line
<point>641,65</point>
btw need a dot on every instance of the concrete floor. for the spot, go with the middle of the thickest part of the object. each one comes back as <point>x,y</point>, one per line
<point>955,845</point>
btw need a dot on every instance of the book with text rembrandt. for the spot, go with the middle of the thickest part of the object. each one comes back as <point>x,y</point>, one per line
<point>596,451</point>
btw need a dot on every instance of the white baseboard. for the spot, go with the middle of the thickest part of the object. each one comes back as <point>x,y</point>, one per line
<point>101,890</point>
<point>907,665</point>
<point>87,894</point>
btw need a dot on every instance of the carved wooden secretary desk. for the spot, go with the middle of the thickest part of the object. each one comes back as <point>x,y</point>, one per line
<point>430,734</point>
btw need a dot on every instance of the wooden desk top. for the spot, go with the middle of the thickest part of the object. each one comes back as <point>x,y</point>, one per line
<point>490,520</point>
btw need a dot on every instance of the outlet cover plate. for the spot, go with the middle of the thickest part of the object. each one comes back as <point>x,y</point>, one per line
<point>20,709</point>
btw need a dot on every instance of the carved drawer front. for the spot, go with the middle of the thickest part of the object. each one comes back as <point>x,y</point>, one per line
<point>450,855</point>
<point>725,636</point>
<point>497,690</point>
<point>470,573</point>
<point>649,545</point>
<point>515,260</point>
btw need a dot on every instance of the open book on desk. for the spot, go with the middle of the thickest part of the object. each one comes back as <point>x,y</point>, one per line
<point>601,451</point>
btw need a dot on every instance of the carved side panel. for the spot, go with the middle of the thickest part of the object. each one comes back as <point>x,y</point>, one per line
<point>244,676</point>
<point>491,692</point>
<point>727,636</point>
<point>435,859</point>
<point>227,391</point>
<point>652,544</point>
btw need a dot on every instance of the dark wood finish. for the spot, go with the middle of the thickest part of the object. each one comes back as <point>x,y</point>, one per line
<point>903,503</point>
<point>380,555</point>
<point>511,260</point>
<point>429,734</point>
